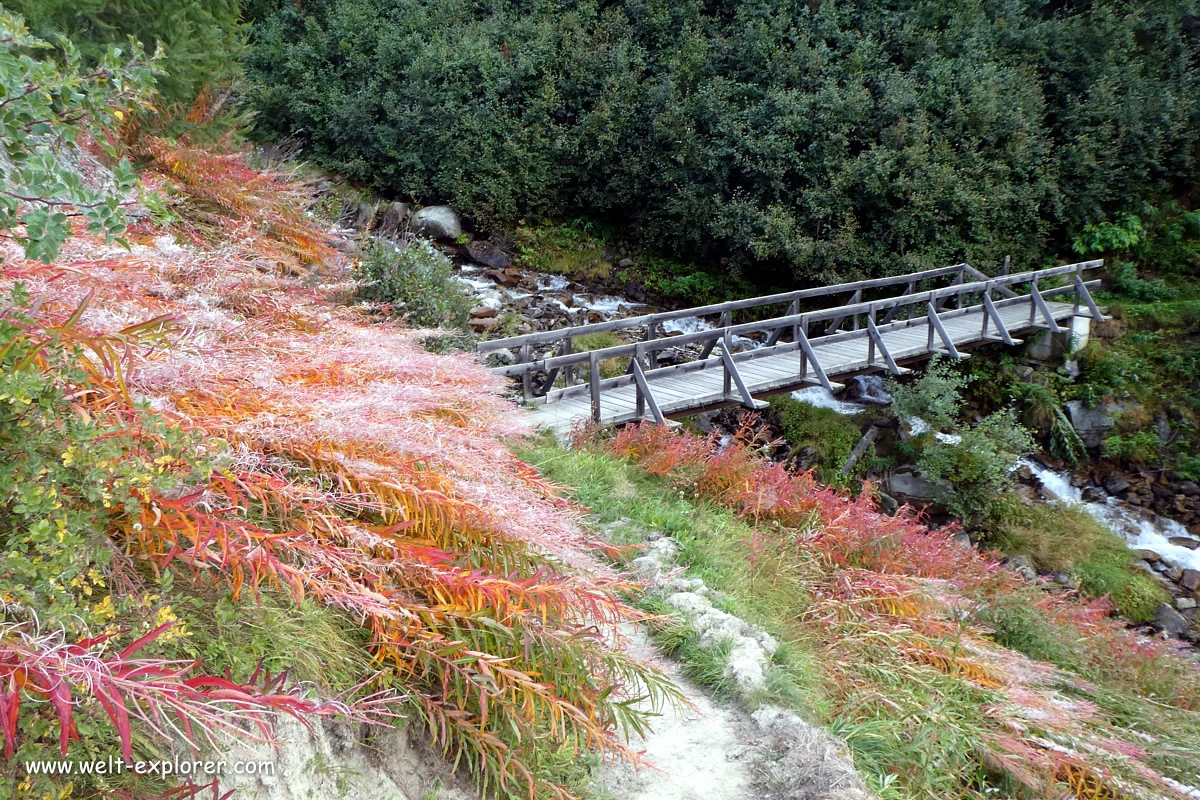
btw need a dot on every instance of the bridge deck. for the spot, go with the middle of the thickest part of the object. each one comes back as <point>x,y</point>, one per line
<point>678,394</point>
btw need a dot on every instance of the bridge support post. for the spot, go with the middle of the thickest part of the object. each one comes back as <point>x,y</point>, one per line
<point>594,384</point>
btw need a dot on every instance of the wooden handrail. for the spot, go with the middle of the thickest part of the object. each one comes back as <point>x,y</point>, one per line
<point>542,337</point>
<point>928,297</point>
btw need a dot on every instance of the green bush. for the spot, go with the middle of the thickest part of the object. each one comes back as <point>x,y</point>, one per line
<point>415,281</point>
<point>50,102</point>
<point>934,397</point>
<point>609,367</point>
<point>201,40</point>
<point>796,139</point>
<point>1137,448</point>
<point>979,466</point>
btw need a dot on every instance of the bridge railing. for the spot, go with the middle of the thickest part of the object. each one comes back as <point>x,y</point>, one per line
<point>863,319</point>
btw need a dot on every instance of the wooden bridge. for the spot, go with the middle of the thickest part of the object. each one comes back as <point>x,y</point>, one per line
<point>810,338</point>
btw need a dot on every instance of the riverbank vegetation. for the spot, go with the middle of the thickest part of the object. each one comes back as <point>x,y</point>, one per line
<point>946,674</point>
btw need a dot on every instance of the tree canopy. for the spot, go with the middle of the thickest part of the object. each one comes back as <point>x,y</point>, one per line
<point>796,140</point>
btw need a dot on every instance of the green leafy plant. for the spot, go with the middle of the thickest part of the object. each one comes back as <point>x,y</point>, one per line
<point>934,397</point>
<point>1138,447</point>
<point>52,104</point>
<point>832,435</point>
<point>1104,237</point>
<point>414,281</point>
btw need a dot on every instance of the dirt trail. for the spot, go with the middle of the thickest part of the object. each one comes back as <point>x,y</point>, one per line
<point>697,754</point>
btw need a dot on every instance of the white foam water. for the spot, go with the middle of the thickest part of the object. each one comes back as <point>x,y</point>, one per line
<point>821,397</point>
<point>1142,530</point>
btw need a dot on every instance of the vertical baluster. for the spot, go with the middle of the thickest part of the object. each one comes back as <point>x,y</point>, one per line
<point>527,376</point>
<point>594,380</point>
<point>569,371</point>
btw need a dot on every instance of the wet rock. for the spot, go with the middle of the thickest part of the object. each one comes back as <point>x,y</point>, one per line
<point>1170,620</point>
<point>393,220</point>
<point>1093,494</point>
<point>1092,423</point>
<point>1148,555</point>
<point>1190,579</point>
<point>1184,541</point>
<point>488,254</point>
<point>508,279</point>
<point>437,222</point>
<point>867,389</point>
<point>1115,484</point>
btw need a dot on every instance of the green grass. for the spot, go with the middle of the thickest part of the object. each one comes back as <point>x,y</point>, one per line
<point>609,367</point>
<point>831,434</point>
<point>914,732</point>
<point>1060,538</point>
<point>763,591</point>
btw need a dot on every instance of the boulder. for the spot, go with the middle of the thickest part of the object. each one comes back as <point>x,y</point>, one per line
<point>887,504</point>
<point>437,222</point>
<point>481,251</point>
<point>393,220</point>
<point>1185,541</point>
<point>360,216</point>
<point>1189,488</point>
<point>1185,603</point>
<point>483,312</point>
<point>910,484</point>
<point>507,279</point>
<point>1116,484</point>
<point>1170,620</point>
<point>1190,579</point>
<point>1147,555</point>
<point>1092,423</point>
<point>484,324</point>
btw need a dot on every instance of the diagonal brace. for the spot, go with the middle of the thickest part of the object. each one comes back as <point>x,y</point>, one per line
<point>1082,293</point>
<point>935,324</point>
<point>1039,303</point>
<point>877,339</point>
<point>807,348</point>
<point>732,370</point>
<point>990,312</point>
<point>644,390</point>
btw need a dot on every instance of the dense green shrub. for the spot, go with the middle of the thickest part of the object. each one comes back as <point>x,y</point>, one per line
<point>1137,447</point>
<point>201,40</point>
<point>979,465</point>
<point>934,397</point>
<point>415,281</point>
<point>818,139</point>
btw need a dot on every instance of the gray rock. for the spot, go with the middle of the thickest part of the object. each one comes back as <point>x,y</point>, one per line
<point>1184,603</point>
<point>963,540</point>
<point>1115,484</point>
<point>437,222</point>
<point>1147,555</point>
<point>481,251</point>
<point>1092,423</point>
<point>625,263</point>
<point>1092,494</point>
<point>1189,488</point>
<point>887,503</point>
<point>504,356</point>
<point>360,216</point>
<point>483,312</point>
<point>1066,581</point>
<point>1190,579</point>
<point>1171,620</point>
<point>867,389</point>
<point>910,484</point>
<point>1022,566</point>
<point>393,219</point>
<point>1185,541</point>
